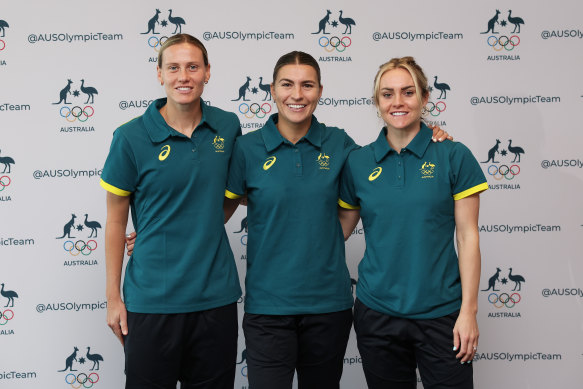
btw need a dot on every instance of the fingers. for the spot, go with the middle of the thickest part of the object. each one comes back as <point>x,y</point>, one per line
<point>468,346</point>
<point>130,242</point>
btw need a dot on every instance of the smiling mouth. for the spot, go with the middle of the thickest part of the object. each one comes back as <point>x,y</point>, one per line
<point>296,106</point>
<point>398,113</point>
<point>184,88</point>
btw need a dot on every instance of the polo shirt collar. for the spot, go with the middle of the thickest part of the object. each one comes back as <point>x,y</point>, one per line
<point>417,146</point>
<point>272,138</point>
<point>159,130</point>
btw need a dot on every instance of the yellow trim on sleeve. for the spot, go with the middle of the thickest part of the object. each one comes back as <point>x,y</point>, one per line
<point>468,192</point>
<point>344,204</point>
<point>232,195</point>
<point>114,190</point>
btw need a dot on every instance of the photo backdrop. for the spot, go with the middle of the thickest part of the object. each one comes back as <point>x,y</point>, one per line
<point>505,79</point>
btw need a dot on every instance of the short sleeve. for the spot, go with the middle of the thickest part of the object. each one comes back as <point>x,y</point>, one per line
<point>236,180</point>
<point>467,176</point>
<point>347,198</point>
<point>120,173</point>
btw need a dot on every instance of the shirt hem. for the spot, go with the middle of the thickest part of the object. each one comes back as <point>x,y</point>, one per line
<point>263,310</point>
<point>139,308</point>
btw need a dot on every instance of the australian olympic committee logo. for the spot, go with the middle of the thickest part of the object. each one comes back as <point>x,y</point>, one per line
<point>7,311</point>
<point>256,106</point>
<point>3,26</point>
<point>82,109</point>
<point>323,161</point>
<point>74,245</point>
<point>335,42</point>
<point>5,179</point>
<point>504,298</point>
<point>504,171</point>
<point>159,31</point>
<point>83,379</point>
<point>435,109</point>
<point>245,229</point>
<point>503,41</point>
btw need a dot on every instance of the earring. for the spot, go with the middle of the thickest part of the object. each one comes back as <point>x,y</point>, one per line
<point>378,114</point>
<point>161,83</point>
<point>206,82</point>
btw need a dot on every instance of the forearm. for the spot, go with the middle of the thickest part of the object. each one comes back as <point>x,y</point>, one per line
<point>469,266</point>
<point>115,228</point>
<point>348,220</point>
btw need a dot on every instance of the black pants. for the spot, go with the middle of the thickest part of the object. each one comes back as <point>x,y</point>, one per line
<point>197,349</point>
<point>314,345</point>
<point>392,347</point>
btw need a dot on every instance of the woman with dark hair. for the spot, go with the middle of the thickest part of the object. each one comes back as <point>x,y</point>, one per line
<point>298,302</point>
<point>178,316</point>
<point>416,298</point>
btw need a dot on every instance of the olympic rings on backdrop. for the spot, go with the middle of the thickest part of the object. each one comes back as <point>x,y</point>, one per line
<point>255,110</point>
<point>155,43</point>
<point>4,182</point>
<point>244,240</point>
<point>504,171</point>
<point>335,43</point>
<point>84,380</point>
<point>4,316</point>
<point>80,247</point>
<point>504,299</point>
<point>72,114</point>
<point>2,45</point>
<point>244,371</point>
<point>503,42</point>
<point>435,109</point>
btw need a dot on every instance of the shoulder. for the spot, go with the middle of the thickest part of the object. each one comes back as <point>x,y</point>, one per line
<point>222,118</point>
<point>132,128</point>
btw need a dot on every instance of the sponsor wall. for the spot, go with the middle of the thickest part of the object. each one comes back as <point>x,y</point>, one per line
<point>505,81</point>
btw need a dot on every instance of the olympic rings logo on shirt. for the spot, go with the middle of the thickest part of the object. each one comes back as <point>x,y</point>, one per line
<point>504,299</point>
<point>2,45</point>
<point>504,171</point>
<point>4,182</point>
<point>435,108</point>
<point>72,114</point>
<point>80,247</point>
<point>335,43</point>
<point>4,316</point>
<point>503,42</point>
<point>255,110</point>
<point>83,380</point>
<point>155,42</point>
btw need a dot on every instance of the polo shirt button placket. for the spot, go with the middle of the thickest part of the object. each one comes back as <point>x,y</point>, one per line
<point>297,161</point>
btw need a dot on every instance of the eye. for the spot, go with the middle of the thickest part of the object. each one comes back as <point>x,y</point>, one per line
<point>193,67</point>
<point>172,68</point>
<point>409,93</point>
<point>386,95</point>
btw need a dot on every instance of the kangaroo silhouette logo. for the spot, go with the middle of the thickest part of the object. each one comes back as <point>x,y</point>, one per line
<point>492,153</point>
<point>152,23</point>
<point>69,360</point>
<point>504,171</point>
<point>6,161</point>
<point>10,295</point>
<point>508,299</point>
<point>492,24</point>
<point>243,226</point>
<point>243,90</point>
<point>3,26</point>
<point>335,43</point>
<point>67,228</point>
<point>322,24</point>
<point>243,357</point>
<point>64,92</point>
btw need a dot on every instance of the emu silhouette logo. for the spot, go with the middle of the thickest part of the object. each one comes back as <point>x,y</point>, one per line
<point>10,295</point>
<point>164,153</point>
<point>6,161</point>
<point>375,173</point>
<point>269,162</point>
<point>3,25</point>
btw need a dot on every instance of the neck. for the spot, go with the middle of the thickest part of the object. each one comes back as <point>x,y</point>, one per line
<point>292,131</point>
<point>182,118</point>
<point>399,138</point>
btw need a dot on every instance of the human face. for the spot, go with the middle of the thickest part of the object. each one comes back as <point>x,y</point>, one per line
<point>398,102</point>
<point>296,92</point>
<point>183,73</point>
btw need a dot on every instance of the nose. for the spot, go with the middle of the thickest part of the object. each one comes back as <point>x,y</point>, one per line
<point>182,75</point>
<point>398,100</point>
<point>296,93</point>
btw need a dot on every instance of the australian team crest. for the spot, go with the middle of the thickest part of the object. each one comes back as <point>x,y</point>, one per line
<point>427,170</point>
<point>219,144</point>
<point>324,161</point>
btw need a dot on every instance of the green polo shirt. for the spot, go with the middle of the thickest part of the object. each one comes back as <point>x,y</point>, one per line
<point>410,267</point>
<point>182,261</point>
<point>295,247</point>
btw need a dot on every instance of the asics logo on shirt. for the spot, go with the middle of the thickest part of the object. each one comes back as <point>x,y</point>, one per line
<point>269,162</point>
<point>165,152</point>
<point>375,173</point>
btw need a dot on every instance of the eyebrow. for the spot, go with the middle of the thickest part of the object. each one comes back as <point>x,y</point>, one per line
<point>404,88</point>
<point>292,81</point>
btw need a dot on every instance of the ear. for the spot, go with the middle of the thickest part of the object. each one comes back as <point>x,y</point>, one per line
<point>159,71</point>
<point>272,87</point>
<point>321,89</point>
<point>208,73</point>
<point>425,99</point>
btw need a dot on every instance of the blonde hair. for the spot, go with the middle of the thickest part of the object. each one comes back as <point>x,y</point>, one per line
<point>409,64</point>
